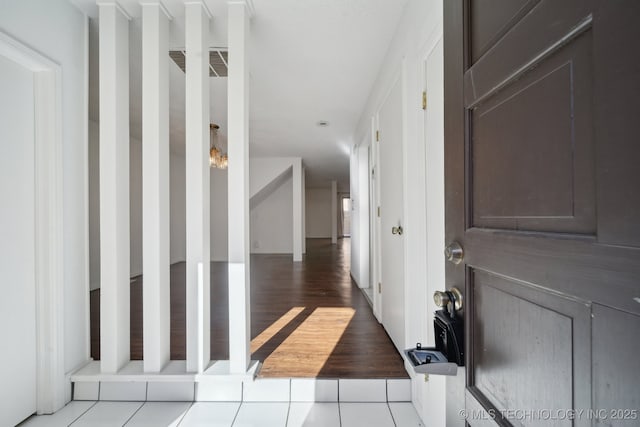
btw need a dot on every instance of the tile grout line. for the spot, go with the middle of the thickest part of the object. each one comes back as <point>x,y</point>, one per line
<point>392,417</point>
<point>286,421</point>
<point>185,413</point>
<point>241,403</point>
<point>82,414</point>
<point>134,413</point>
<point>235,417</point>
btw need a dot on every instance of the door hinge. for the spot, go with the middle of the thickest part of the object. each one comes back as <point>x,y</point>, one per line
<point>377,135</point>
<point>379,287</point>
<point>424,100</point>
<point>378,211</point>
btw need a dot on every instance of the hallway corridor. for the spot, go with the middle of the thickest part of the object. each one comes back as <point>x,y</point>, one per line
<point>308,319</point>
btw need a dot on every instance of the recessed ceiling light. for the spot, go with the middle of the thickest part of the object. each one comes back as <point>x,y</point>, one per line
<point>323,123</point>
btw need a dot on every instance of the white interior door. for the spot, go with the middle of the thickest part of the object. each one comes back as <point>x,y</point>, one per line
<point>391,214</point>
<point>17,244</point>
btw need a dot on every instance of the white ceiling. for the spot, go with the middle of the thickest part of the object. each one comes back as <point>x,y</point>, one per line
<point>311,60</point>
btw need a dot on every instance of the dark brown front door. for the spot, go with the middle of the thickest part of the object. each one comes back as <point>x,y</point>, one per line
<point>542,165</point>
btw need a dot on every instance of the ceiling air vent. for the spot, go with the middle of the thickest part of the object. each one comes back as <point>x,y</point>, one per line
<point>218,60</point>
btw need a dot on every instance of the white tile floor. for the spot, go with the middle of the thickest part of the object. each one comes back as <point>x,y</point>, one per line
<point>228,414</point>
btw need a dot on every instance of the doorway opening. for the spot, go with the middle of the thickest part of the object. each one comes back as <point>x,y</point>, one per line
<point>346,216</point>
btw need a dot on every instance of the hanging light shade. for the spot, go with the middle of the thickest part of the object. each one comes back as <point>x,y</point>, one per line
<point>217,159</point>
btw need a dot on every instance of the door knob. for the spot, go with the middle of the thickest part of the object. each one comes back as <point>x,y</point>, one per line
<point>452,296</point>
<point>454,253</point>
<point>397,230</point>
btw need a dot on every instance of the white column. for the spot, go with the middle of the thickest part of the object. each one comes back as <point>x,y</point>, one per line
<point>297,210</point>
<point>304,211</point>
<point>240,12</point>
<point>155,184</point>
<point>197,18</point>
<point>114,187</point>
<point>334,212</point>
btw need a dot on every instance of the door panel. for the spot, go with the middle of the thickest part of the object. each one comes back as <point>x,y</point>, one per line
<point>541,167</point>
<point>511,356</point>
<point>525,339</point>
<point>489,19</point>
<point>391,214</point>
<point>615,362</point>
<point>548,184</point>
<point>541,32</point>
<point>616,93</point>
<point>17,244</point>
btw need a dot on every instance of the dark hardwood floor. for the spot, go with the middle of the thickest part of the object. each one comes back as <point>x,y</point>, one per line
<point>308,319</point>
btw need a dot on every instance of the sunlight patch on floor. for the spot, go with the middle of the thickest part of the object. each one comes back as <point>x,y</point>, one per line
<point>275,327</point>
<point>307,349</point>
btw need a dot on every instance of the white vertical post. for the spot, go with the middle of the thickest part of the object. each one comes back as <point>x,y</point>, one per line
<point>114,187</point>
<point>238,112</point>
<point>297,210</point>
<point>304,211</point>
<point>155,184</point>
<point>197,18</point>
<point>334,212</point>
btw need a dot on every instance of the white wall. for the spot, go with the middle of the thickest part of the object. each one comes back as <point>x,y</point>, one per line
<point>94,205</point>
<point>135,206</point>
<point>269,179</point>
<point>263,170</point>
<point>271,188</point>
<point>272,218</point>
<point>418,31</point>
<point>135,203</point>
<point>318,213</point>
<point>219,216</point>
<point>57,30</point>
<point>178,203</point>
<point>218,211</point>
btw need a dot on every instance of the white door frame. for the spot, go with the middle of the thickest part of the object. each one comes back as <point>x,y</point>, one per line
<point>376,256</point>
<point>50,378</point>
<point>374,218</point>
